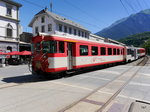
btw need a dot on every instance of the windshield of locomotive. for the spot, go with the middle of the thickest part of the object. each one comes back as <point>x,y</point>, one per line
<point>32,47</point>
<point>49,46</point>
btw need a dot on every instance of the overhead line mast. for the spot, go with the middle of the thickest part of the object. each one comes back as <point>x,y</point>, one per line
<point>51,6</point>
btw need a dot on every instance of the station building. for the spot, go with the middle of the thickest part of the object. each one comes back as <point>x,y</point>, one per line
<point>50,23</point>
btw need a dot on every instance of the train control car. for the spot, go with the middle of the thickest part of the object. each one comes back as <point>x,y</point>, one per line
<point>57,53</point>
<point>62,45</point>
<point>131,53</point>
<point>141,52</point>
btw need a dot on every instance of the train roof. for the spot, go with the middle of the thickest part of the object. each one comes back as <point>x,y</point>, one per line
<point>82,39</point>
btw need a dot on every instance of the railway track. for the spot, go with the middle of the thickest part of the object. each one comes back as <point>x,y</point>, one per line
<point>100,98</point>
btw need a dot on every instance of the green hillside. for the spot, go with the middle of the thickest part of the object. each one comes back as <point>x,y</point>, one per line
<point>138,40</point>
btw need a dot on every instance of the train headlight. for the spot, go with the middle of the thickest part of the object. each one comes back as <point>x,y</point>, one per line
<point>45,57</point>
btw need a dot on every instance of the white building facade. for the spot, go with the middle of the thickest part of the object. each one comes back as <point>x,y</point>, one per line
<point>9,26</point>
<point>50,23</point>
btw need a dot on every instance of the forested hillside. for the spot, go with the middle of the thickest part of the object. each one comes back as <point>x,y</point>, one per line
<point>138,40</point>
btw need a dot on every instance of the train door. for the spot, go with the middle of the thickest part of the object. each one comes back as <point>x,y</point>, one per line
<point>135,54</point>
<point>124,54</point>
<point>70,55</point>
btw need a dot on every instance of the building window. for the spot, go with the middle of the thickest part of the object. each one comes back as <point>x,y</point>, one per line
<point>82,34</point>
<point>83,50</point>
<point>36,30</point>
<point>85,35</point>
<point>65,29</point>
<point>60,27</point>
<point>79,33</point>
<point>42,19</point>
<point>43,28</point>
<point>9,10</point>
<point>70,30</point>
<point>94,50</point>
<point>103,51</point>
<point>49,27</point>
<point>75,32</point>
<point>9,30</point>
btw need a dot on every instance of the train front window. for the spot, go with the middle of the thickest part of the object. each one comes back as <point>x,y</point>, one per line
<point>61,47</point>
<point>38,48</point>
<point>32,47</point>
<point>49,46</point>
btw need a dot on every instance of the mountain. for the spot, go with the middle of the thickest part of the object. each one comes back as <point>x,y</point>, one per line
<point>135,23</point>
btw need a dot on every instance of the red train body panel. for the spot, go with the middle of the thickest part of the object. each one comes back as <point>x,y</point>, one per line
<point>53,54</point>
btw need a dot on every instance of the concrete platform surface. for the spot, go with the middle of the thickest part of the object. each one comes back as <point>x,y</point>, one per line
<point>20,93</point>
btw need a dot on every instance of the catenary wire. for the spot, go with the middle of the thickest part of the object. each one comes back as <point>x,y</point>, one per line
<point>35,4</point>
<point>139,4</point>
<point>130,6</point>
<point>83,11</point>
<point>145,3</point>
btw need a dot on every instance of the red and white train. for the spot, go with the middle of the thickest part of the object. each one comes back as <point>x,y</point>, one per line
<point>53,54</point>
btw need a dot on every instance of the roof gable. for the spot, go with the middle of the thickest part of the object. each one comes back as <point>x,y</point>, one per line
<point>57,18</point>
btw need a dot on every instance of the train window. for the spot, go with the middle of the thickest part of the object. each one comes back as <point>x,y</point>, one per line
<point>118,51</point>
<point>94,50</point>
<point>32,47</point>
<point>103,51</point>
<point>109,51</point>
<point>38,48</point>
<point>83,50</point>
<point>128,51</point>
<point>132,53</point>
<point>49,46</point>
<point>115,51</point>
<point>121,51</point>
<point>61,47</point>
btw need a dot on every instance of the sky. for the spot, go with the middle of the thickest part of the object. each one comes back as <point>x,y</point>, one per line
<point>94,15</point>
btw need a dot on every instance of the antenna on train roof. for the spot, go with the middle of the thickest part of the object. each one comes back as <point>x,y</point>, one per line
<point>51,6</point>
